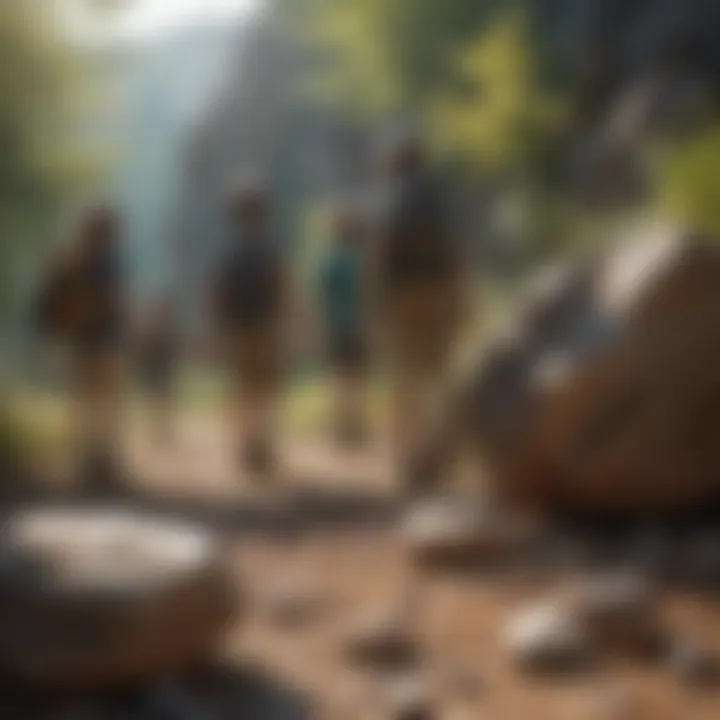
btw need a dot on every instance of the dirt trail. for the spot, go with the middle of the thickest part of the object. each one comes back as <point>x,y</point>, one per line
<point>357,565</point>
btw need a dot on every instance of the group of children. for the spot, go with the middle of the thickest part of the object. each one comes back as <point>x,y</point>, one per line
<point>391,285</point>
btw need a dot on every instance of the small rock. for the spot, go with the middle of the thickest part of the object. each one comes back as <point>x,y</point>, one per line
<point>384,643</point>
<point>547,638</point>
<point>695,665</point>
<point>446,532</point>
<point>409,699</point>
<point>619,609</point>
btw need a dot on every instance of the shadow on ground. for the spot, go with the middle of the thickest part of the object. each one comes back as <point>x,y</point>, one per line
<point>217,693</point>
<point>279,511</point>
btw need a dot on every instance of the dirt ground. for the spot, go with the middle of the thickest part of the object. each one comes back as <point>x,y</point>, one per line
<point>326,534</point>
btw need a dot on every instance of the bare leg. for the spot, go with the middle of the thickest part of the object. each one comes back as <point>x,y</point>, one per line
<point>349,411</point>
<point>98,411</point>
<point>162,415</point>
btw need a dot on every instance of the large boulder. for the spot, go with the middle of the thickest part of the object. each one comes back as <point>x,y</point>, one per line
<point>95,597</point>
<point>606,395</point>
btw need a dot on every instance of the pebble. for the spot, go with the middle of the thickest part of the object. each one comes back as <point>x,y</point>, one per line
<point>384,643</point>
<point>409,699</point>
<point>547,638</point>
<point>619,609</point>
<point>444,532</point>
<point>695,665</point>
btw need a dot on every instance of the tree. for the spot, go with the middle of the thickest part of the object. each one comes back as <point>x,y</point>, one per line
<point>46,97</point>
<point>689,182</point>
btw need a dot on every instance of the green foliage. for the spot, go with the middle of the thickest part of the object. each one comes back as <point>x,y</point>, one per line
<point>47,94</point>
<point>355,68</point>
<point>496,109</point>
<point>689,182</point>
<point>469,72</point>
<point>378,57</point>
<point>12,442</point>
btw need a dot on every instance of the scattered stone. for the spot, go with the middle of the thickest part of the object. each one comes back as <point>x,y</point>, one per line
<point>695,665</point>
<point>443,532</point>
<point>547,638</point>
<point>409,699</point>
<point>384,643</point>
<point>619,610</point>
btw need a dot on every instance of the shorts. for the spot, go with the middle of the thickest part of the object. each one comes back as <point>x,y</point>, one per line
<point>257,358</point>
<point>421,323</point>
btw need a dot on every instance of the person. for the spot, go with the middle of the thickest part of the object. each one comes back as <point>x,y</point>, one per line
<point>81,304</point>
<point>158,350</point>
<point>249,301</point>
<point>342,290</point>
<point>418,286</point>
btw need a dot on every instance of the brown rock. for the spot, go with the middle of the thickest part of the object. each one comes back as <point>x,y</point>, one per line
<point>606,397</point>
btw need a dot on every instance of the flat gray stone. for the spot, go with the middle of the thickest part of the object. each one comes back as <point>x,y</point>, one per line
<point>102,597</point>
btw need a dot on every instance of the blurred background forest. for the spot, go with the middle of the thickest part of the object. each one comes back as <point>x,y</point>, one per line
<point>553,118</point>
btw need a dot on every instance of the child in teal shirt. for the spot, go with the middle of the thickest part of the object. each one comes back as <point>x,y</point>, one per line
<point>342,291</point>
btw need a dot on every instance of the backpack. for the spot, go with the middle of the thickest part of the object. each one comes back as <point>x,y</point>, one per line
<point>74,300</point>
<point>53,310</point>
<point>414,235</point>
<point>250,283</point>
